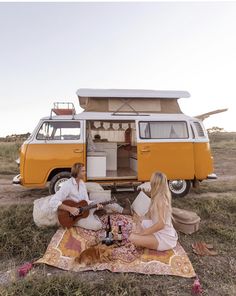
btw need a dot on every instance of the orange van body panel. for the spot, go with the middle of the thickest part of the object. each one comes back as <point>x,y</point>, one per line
<point>23,152</point>
<point>41,159</point>
<point>175,159</point>
<point>178,160</point>
<point>203,160</point>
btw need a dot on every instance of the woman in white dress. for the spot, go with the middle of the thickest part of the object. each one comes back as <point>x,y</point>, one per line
<point>156,230</point>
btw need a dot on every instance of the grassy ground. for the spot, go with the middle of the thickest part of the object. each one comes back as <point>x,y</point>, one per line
<point>9,152</point>
<point>22,241</point>
<point>215,203</point>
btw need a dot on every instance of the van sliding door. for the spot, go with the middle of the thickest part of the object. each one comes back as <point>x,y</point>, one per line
<point>167,147</point>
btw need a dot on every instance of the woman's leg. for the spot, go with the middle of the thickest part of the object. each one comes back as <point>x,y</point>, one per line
<point>146,241</point>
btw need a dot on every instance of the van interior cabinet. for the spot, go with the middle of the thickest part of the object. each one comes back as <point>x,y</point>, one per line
<point>133,161</point>
<point>111,154</point>
<point>133,164</point>
<point>96,164</point>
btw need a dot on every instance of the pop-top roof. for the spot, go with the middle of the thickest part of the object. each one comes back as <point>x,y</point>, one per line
<point>131,93</point>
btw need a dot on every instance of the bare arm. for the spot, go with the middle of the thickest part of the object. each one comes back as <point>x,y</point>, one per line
<point>157,226</point>
<point>72,210</point>
<point>154,228</point>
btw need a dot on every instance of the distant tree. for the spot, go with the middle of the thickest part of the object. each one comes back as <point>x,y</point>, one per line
<point>16,138</point>
<point>215,129</point>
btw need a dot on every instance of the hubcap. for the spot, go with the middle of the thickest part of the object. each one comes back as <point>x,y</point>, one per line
<point>59,183</point>
<point>177,186</point>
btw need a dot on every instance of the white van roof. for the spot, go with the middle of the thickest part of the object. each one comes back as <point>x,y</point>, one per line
<point>126,116</point>
<point>131,93</point>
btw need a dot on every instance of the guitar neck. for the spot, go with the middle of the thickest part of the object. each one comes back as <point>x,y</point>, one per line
<point>92,206</point>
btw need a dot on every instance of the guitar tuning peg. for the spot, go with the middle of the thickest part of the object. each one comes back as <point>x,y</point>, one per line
<point>114,198</point>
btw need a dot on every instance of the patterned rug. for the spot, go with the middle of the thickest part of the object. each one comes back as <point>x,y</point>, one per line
<point>67,244</point>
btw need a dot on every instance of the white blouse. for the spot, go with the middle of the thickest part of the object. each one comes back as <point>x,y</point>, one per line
<point>69,190</point>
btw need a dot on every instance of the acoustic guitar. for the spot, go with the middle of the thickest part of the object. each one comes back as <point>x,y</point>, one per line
<point>66,219</point>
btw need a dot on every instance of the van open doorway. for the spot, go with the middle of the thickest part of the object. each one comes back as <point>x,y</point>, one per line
<point>111,150</point>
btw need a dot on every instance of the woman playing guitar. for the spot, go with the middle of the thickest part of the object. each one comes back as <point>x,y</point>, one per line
<point>75,189</point>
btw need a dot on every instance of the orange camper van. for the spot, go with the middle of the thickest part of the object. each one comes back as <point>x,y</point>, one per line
<point>122,137</point>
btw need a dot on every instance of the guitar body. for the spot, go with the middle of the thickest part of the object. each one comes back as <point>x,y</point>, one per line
<point>68,220</point>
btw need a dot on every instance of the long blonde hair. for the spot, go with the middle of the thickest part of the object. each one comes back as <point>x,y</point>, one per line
<point>160,195</point>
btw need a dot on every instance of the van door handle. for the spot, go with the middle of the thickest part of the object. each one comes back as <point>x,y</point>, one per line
<point>78,150</point>
<point>145,150</point>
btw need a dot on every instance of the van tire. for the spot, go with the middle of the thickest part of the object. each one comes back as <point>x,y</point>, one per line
<point>57,180</point>
<point>179,188</point>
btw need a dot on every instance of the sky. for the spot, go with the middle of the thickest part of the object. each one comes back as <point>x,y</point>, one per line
<point>49,50</point>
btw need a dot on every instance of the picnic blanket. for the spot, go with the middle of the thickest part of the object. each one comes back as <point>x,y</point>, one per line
<point>66,244</point>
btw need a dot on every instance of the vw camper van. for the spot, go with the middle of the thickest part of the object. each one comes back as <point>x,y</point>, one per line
<point>122,137</point>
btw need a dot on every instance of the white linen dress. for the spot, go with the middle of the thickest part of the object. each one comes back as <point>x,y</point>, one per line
<point>167,237</point>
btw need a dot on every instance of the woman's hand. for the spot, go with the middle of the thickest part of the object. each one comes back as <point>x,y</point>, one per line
<point>99,206</point>
<point>74,211</point>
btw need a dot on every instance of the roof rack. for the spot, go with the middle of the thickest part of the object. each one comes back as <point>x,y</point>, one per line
<point>63,108</point>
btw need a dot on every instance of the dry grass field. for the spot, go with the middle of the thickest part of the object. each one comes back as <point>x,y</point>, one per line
<point>214,201</point>
<point>9,152</point>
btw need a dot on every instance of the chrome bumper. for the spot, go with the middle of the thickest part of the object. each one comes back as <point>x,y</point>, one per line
<point>212,177</point>
<point>16,179</point>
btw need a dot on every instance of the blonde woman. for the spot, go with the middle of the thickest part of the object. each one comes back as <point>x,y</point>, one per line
<point>157,232</point>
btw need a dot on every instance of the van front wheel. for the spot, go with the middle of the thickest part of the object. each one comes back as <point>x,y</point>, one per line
<point>179,188</point>
<point>57,180</point>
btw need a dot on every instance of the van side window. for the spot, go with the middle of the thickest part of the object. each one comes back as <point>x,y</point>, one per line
<point>144,130</point>
<point>163,130</point>
<point>59,130</point>
<point>199,129</point>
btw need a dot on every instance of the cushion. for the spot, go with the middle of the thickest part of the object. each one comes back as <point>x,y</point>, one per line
<point>42,214</point>
<point>92,186</point>
<point>141,204</point>
<point>100,196</point>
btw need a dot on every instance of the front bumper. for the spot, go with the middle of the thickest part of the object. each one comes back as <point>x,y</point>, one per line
<point>212,177</point>
<point>16,180</point>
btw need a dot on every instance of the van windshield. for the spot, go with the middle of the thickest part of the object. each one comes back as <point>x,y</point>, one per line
<point>59,130</point>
